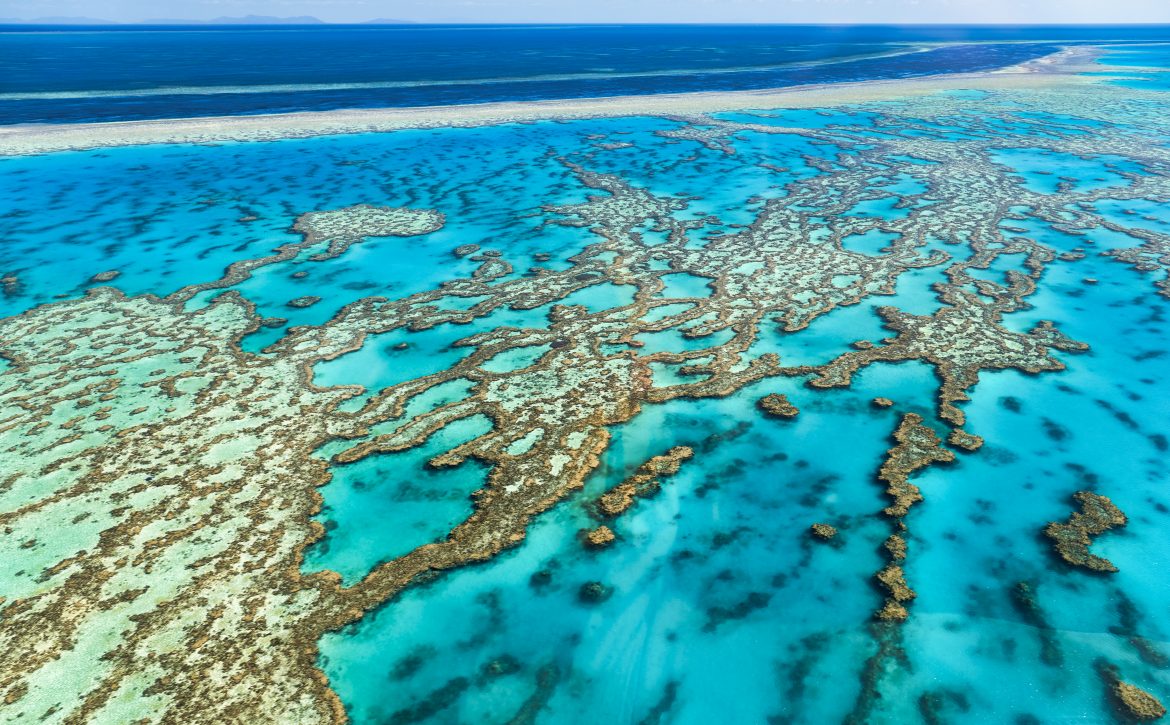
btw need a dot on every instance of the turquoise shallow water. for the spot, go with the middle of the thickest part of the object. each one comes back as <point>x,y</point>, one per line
<point>718,606</point>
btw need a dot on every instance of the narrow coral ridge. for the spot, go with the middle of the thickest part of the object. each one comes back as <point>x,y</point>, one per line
<point>917,446</point>
<point>643,482</point>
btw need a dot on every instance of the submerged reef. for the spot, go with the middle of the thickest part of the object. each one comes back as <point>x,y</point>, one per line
<point>1071,540</point>
<point>162,482</point>
<point>644,482</point>
<point>1024,599</point>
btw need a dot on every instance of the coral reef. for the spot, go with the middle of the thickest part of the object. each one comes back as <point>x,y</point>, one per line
<point>777,404</point>
<point>1132,702</point>
<point>1138,703</point>
<point>594,593</point>
<point>960,438</point>
<point>1071,540</point>
<point>893,580</point>
<point>1025,602</point>
<point>917,447</point>
<point>960,339</point>
<point>600,537</point>
<point>186,470</point>
<point>823,531</point>
<point>643,482</point>
<point>302,302</point>
<point>895,546</point>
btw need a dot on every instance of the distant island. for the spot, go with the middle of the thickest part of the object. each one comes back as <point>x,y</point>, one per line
<point>245,20</point>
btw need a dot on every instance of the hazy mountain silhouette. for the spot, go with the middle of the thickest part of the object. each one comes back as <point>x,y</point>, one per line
<point>245,20</point>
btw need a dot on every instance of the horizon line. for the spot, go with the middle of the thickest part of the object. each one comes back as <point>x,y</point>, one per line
<point>100,23</point>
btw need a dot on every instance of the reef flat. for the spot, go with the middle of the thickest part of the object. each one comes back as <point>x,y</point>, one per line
<point>263,405</point>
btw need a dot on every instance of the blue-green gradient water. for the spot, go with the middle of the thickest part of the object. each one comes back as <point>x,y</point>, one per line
<point>722,609</point>
<point>57,74</point>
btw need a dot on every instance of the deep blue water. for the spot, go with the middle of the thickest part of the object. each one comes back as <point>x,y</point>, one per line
<point>61,74</point>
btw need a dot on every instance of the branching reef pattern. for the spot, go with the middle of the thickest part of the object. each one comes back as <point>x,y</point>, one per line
<point>159,484</point>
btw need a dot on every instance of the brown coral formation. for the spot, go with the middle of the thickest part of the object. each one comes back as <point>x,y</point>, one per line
<point>201,477</point>
<point>895,547</point>
<point>917,447</point>
<point>960,438</point>
<point>879,402</point>
<point>1071,540</point>
<point>303,302</point>
<point>777,404</point>
<point>1137,703</point>
<point>960,339</point>
<point>892,611</point>
<point>643,482</point>
<point>198,511</point>
<point>337,230</point>
<point>893,580</point>
<point>823,532</point>
<point>600,537</point>
<point>107,276</point>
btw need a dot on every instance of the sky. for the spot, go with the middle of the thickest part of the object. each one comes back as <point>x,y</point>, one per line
<point>633,11</point>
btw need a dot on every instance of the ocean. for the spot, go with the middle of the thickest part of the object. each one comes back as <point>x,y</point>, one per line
<point>480,424</point>
<point>65,74</point>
